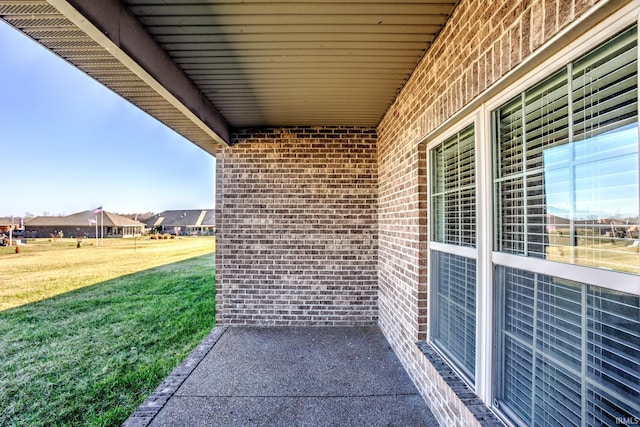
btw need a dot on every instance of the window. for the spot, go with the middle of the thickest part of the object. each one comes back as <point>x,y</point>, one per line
<point>453,277</point>
<point>560,341</point>
<point>565,169</point>
<point>566,155</point>
<point>534,242</point>
<point>453,191</point>
<point>454,328</point>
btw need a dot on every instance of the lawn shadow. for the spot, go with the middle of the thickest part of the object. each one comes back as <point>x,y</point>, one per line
<point>43,274</point>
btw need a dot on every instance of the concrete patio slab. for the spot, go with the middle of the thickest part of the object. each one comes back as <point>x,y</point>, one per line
<point>292,376</point>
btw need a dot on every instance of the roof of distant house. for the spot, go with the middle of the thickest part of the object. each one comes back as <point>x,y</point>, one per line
<point>83,219</point>
<point>183,218</point>
<point>7,220</point>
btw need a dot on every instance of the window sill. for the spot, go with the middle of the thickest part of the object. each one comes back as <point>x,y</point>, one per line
<point>484,415</point>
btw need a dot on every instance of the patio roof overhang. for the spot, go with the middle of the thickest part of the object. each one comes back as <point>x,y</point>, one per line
<point>206,67</point>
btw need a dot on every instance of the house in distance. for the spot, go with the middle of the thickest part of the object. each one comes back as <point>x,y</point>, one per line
<point>192,222</point>
<point>84,224</point>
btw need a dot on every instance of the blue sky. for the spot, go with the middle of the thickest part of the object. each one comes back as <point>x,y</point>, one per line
<point>68,144</point>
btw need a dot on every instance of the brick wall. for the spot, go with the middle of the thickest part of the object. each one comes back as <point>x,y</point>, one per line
<point>297,227</point>
<point>483,41</point>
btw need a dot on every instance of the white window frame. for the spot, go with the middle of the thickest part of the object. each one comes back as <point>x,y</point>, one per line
<point>609,279</point>
<point>464,251</point>
<point>577,42</point>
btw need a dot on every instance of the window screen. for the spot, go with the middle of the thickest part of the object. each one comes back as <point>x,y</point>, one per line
<point>561,340</point>
<point>566,163</point>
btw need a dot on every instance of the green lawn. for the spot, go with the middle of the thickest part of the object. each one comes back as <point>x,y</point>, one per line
<point>46,268</point>
<point>90,356</point>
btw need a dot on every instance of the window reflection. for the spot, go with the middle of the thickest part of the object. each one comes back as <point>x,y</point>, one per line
<point>592,201</point>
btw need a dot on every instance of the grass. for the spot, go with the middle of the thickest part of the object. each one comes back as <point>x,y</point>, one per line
<point>595,251</point>
<point>45,268</point>
<point>90,356</point>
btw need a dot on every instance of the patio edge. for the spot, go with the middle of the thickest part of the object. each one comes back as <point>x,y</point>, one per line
<point>148,410</point>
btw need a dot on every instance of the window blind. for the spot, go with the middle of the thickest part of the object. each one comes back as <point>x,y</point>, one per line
<point>561,340</point>
<point>453,277</point>
<point>453,190</point>
<point>566,163</point>
<point>454,314</point>
<point>613,356</point>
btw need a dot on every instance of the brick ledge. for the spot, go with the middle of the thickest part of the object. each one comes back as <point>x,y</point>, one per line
<point>484,415</point>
